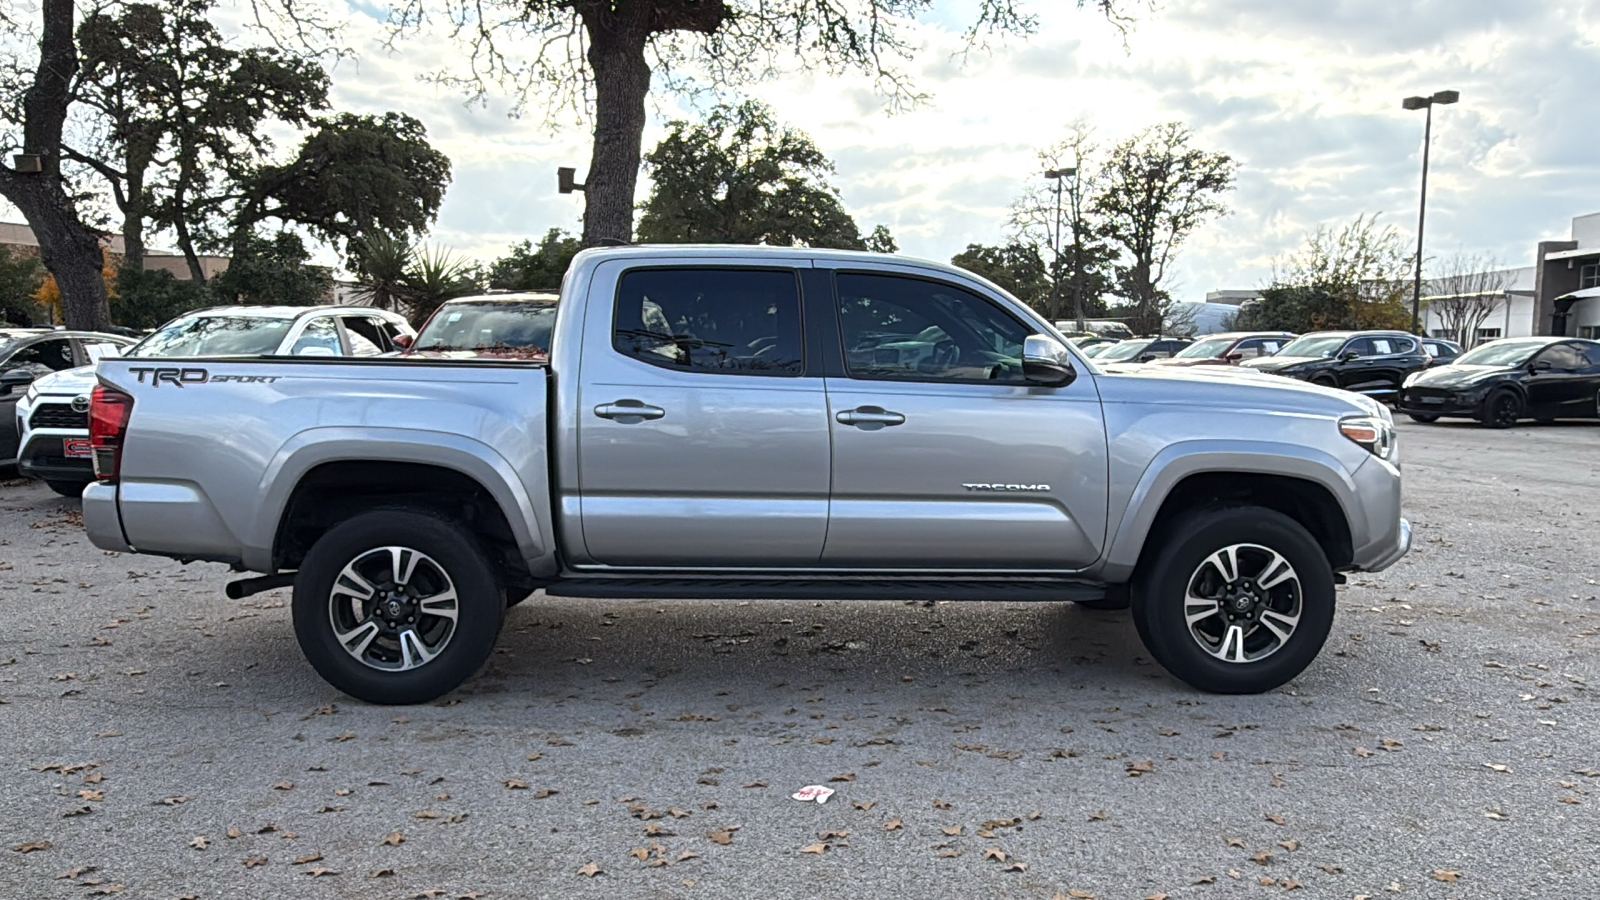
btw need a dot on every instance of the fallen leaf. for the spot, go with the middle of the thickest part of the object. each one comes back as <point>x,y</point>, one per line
<point>381,873</point>
<point>320,872</point>
<point>818,848</point>
<point>1362,752</point>
<point>1331,870</point>
<point>1261,857</point>
<point>1291,846</point>
<point>846,776</point>
<point>940,804</point>
<point>109,889</point>
<point>832,835</point>
<point>688,854</point>
<point>1444,875</point>
<point>677,813</point>
<point>755,784</point>
<point>200,843</point>
<point>250,862</point>
<point>514,784</point>
<point>589,869</point>
<point>311,857</point>
<point>862,805</point>
<point>174,801</point>
<point>393,839</point>
<point>952,830</point>
<point>891,825</point>
<point>77,872</point>
<point>346,736</point>
<point>32,846</point>
<point>1140,767</point>
<point>1275,819</point>
<point>994,853</point>
<point>1235,842</point>
<point>720,837</point>
<point>543,793</point>
<point>92,795</point>
<point>234,833</point>
<point>657,829</point>
<point>640,853</point>
<point>1497,767</point>
<point>283,786</point>
<point>1016,866</point>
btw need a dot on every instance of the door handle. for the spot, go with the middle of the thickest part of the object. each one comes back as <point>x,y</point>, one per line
<point>869,417</point>
<point>625,410</point>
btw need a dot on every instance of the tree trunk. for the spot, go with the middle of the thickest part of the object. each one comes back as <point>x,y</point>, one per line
<point>186,243</point>
<point>69,250</point>
<point>133,220</point>
<point>621,83</point>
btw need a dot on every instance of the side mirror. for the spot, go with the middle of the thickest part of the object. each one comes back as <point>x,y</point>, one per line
<point>1045,362</point>
<point>97,352</point>
<point>404,341</point>
<point>1539,365</point>
<point>16,379</point>
<point>1233,355</point>
<point>1349,355</point>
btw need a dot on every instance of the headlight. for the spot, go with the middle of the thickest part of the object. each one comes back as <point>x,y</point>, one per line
<point>1410,379</point>
<point>1371,432</point>
<point>31,395</point>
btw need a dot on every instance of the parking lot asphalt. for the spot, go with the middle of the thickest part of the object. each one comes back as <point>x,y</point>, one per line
<point>162,741</point>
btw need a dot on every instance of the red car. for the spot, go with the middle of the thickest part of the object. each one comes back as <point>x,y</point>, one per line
<point>490,326</point>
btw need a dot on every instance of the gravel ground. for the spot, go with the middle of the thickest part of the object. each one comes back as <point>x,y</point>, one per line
<point>162,741</point>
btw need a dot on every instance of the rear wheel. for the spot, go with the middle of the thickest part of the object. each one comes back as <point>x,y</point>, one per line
<point>72,489</point>
<point>1502,409</point>
<point>396,606</point>
<point>1420,417</point>
<point>1235,601</point>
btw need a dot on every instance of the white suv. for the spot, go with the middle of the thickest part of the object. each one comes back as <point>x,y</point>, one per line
<point>53,417</point>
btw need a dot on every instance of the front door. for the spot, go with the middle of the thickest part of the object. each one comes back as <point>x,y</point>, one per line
<point>1560,383</point>
<point>943,456</point>
<point>702,441</point>
<point>1380,366</point>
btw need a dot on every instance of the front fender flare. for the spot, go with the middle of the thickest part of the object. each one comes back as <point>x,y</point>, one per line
<point>1181,460</point>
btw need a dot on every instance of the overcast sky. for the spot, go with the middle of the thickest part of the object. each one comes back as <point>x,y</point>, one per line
<point>1305,94</point>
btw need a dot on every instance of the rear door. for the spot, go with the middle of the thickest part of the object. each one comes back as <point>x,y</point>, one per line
<point>702,435</point>
<point>943,456</point>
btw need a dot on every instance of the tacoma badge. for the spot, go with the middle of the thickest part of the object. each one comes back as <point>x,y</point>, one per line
<point>1007,487</point>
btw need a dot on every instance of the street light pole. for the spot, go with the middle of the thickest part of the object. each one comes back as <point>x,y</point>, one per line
<point>1056,175</point>
<point>1442,97</point>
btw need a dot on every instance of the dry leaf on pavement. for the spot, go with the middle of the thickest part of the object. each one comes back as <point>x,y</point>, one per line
<point>818,848</point>
<point>589,869</point>
<point>1444,875</point>
<point>393,839</point>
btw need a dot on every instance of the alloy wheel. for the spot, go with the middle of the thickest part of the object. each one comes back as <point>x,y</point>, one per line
<point>1243,603</point>
<point>393,608</point>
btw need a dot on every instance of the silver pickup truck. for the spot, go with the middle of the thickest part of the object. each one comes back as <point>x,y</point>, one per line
<point>753,423</point>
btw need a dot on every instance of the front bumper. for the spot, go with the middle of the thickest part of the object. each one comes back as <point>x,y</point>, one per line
<point>1401,546</point>
<point>1380,535</point>
<point>1414,402</point>
<point>43,455</point>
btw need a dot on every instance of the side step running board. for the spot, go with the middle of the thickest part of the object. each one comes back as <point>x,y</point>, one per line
<point>1040,589</point>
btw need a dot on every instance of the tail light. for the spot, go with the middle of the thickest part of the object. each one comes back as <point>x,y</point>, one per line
<point>109,410</point>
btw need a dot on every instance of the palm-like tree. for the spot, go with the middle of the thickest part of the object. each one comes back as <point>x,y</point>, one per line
<point>381,262</point>
<point>434,276</point>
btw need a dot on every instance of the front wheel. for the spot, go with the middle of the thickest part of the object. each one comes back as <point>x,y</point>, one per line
<point>396,606</point>
<point>1501,410</point>
<point>1235,601</point>
<point>1424,419</point>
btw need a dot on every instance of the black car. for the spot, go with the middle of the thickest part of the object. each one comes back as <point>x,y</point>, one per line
<point>1502,381</point>
<point>1141,350</point>
<point>1367,362</point>
<point>28,353</point>
<point>1441,350</point>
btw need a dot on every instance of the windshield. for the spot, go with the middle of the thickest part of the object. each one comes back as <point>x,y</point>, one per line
<point>1500,353</point>
<point>1314,345</point>
<point>490,325</point>
<point>1124,350</point>
<point>1098,349</point>
<point>215,336</point>
<point>1206,349</point>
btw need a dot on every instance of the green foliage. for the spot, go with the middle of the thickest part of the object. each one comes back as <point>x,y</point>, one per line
<point>352,175</point>
<point>1155,189</point>
<point>527,267</point>
<point>380,261</point>
<point>881,241</point>
<point>272,271</point>
<point>21,275</point>
<point>743,178</point>
<point>1351,278</point>
<point>149,298</point>
<point>1017,267</point>
<point>435,276</point>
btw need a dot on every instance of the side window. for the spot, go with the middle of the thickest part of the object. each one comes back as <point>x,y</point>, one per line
<point>1563,356</point>
<point>365,335</point>
<point>734,321</point>
<point>1432,350</point>
<point>1383,346</point>
<point>907,329</point>
<point>1593,352</point>
<point>1404,345</point>
<point>321,333</point>
<point>1249,349</point>
<point>1359,346</point>
<point>51,355</point>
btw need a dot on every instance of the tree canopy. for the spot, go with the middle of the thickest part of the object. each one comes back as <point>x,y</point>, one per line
<point>1353,277</point>
<point>530,267</point>
<point>602,55</point>
<point>741,177</point>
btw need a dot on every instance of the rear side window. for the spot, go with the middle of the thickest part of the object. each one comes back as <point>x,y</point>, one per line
<point>732,321</point>
<point>367,337</point>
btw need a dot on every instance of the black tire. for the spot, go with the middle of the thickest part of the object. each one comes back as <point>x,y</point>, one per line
<point>1501,409</point>
<point>73,489</point>
<point>1178,556</point>
<point>1424,419</point>
<point>451,549</point>
<point>1325,381</point>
